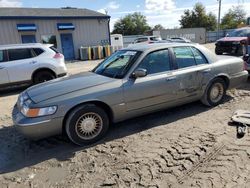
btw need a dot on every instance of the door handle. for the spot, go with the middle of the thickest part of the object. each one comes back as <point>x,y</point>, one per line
<point>2,67</point>
<point>205,71</point>
<point>172,78</point>
<point>33,62</point>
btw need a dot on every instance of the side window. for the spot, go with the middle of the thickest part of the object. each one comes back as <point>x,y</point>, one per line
<point>184,57</point>
<point>38,51</point>
<point>1,56</point>
<point>156,62</point>
<point>142,40</point>
<point>199,57</point>
<point>18,54</point>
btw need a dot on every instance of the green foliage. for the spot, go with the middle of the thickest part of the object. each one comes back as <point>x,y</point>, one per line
<point>132,24</point>
<point>158,27</point>
<point>198,18</point>
<point>233,18</point>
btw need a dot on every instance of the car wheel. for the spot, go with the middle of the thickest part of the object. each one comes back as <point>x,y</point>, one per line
<point>215,93</point>
<point>43,76</point>
<point>86,124</point>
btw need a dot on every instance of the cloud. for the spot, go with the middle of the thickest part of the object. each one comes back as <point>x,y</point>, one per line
<point>113,5</point>
<point>10,3</point>
<point>110,6</point>
<point>159,6</point>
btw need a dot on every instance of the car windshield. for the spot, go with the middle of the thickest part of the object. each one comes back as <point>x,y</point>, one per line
<point>240,33</point>
<point>117,65</point>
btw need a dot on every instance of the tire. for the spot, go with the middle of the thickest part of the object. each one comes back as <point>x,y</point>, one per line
<point>43,76</point>
<point>217,52</point>
<point>86,124</point>
<point>215,93</point>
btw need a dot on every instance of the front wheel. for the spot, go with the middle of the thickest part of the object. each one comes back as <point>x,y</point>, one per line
<point>86,124</point>
<point>215,93</point>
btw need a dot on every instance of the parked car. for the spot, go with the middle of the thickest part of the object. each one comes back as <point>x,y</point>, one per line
<point>147,40</point>
<point>30,63</point>
<point>235,43</point>
<point>180,40</point>
<point>131,82</point>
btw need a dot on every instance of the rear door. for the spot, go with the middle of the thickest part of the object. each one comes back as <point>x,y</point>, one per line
<point>22,63</point>
<point>192,71</point>
<point>4,78</point>
<point>155,90</point>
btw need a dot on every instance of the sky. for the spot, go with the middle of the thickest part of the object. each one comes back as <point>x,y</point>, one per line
<point>164,12</point>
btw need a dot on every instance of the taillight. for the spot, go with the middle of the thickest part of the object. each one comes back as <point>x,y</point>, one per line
<point>58,56</point>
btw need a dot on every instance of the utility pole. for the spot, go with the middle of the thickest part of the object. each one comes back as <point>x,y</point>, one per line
<point>218,24</point>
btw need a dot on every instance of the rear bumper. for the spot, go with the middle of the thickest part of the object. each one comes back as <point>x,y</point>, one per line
<point>36,128</point>
<point>238,79</point>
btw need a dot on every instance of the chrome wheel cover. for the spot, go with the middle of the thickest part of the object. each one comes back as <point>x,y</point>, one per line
<point>217,92</point>
<point>88,126</point>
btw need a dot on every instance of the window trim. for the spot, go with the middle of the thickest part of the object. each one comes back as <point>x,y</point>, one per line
<point>155,74</point>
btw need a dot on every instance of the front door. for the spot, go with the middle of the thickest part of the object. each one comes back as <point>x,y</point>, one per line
<point>4,78</point>
<point>155,90</point>
<point>67,46</point>
<point>28,39</point>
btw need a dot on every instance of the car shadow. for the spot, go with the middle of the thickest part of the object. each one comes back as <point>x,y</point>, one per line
<point>17,152</point>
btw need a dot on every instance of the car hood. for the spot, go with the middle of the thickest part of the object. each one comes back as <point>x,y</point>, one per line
<point>66,85</point>
<point>232,39</point>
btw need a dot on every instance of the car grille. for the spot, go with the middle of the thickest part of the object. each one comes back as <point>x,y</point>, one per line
<point>225,44</point>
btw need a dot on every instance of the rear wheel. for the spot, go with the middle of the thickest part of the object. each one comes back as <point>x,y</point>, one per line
<point>215,93</point>
<point>43,76</point>
<point>87,124</point>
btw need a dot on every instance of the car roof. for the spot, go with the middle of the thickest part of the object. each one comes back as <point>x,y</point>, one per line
<point>155,46</point>
<point>27,45</point>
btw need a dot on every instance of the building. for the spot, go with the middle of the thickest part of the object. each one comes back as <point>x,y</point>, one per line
<point>67,28</point>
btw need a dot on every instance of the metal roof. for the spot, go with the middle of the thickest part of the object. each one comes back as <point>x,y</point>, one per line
<point>49,13</point>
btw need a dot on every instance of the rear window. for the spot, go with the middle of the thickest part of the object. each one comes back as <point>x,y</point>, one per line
<point>54,49</point>
<point>38,51</point>
<point>19,54</point>
<point>184,57</point>
<point>154,38</point>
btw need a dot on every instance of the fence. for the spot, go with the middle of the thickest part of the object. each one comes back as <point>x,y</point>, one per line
<point>212,36</point>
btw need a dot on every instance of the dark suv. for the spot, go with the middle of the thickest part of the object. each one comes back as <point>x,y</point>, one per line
<point>235,43</point>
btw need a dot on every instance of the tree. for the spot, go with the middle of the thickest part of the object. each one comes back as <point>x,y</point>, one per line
<point>158,27</point>
<point>132,24</point>
<point>233,18</point>
<point>198,18</point>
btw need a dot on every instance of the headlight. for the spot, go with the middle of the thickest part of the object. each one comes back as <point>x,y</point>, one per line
<point>37,112</point>
<point>24,104</point>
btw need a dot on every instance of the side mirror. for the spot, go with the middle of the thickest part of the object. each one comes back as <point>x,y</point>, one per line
<point>138,73</point>
<point>246,57</point>
<point>227,35</point>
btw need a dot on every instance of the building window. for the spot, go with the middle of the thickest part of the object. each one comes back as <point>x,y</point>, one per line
<point>49,39</point>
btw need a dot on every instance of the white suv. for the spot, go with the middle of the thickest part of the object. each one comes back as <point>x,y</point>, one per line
<point>30,63</point>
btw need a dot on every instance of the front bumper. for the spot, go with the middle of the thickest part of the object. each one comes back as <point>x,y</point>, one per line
<point>36,128</point>
<point>238,79</point>
<point>231,49</point>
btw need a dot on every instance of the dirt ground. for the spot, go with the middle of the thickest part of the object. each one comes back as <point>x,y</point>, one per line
<point>187,146</point>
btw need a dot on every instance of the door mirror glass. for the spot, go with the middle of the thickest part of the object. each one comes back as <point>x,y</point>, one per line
<point>138,73</point>
<point>227,35</point>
